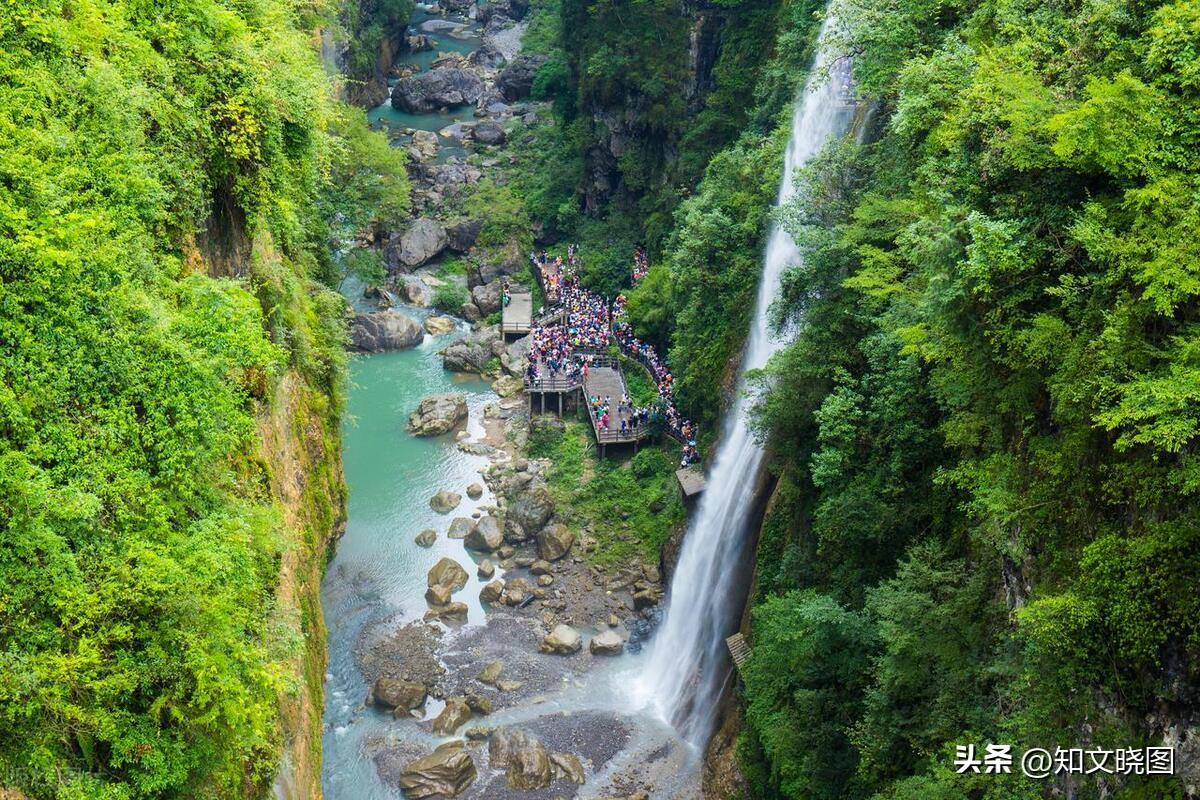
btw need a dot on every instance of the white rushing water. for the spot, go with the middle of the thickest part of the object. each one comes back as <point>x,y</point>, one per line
<point>687,664</point>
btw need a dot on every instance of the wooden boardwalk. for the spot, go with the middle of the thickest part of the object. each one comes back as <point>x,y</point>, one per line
<point>604,380</point>
<point>517,317</point>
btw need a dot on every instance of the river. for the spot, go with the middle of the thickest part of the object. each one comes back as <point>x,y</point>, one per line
<point>377,571</point>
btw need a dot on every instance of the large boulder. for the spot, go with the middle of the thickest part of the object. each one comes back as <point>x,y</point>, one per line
<point>439,26</point>
<point>426,538</point>
<point>438,595</point>
<point>419,43</point>
<point>607,643</point>
<point>507,385</point>
<point>378,331</point>
<point>516,80</point>
<point>421,241</point>
<point>443,87</point>
<point>486,537</point>
<point>472,353</point>
<point>531,510</point>
<point>488,132</point>
<point>460,527</point>
<point>497,22</point>
<point>470,313</point>
<point>424,146</point>
<point>452,717</point>
<point>445,501</point>
<point>646,598</point>
<point>438,414</point>
<point>491,673</point>
<point>488,56</point>
<point>515,358</point>
<point>487,298</point>
<point>397,694</point>
<point>440,326</point>
<point>448,573</point>
<point>479,702</point>
<point>446,772</point>
<point>563,640</point>
<point>568,767</point>
<point>513,532</point>
<point>455,612</point>
<point>491,591</point>
<point>554,541</point>
<point>522,756</point>
<point>462,234</point>
<point>415,292</point>
<point>515,592</point>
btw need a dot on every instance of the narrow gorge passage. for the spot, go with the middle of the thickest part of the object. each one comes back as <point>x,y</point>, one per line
<point>638,721</point>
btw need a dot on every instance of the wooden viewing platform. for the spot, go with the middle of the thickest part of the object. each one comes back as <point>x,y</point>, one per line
<point>604,379</point>
<point>739,651</point>
<point>691,481</point>
<point>517,317</point>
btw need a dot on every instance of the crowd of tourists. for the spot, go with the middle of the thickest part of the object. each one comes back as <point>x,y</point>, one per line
<point>553,275</point>
<point>641,264</point>
<point>565,350</point>
<point>680,427</point>
<point>560,348</point>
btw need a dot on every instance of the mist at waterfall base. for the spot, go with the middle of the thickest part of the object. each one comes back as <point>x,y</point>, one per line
<point>687,664</point>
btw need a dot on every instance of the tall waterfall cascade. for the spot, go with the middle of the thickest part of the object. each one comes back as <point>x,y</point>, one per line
<point>687,665</point>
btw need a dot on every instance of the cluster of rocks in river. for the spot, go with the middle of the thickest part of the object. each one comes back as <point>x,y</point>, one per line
<point>488,91</point>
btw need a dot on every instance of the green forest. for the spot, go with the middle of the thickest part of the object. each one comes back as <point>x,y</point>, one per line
<point>987,529</point>
<point>984,528</point>
<point>175,177</point>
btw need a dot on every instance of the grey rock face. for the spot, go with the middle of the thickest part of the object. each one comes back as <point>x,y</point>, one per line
<point>444,87</point>
<point>437,414</point>
<point>516,80</point>
<point>446,772</point>
<point>378,331</point>
<point>423,240</point>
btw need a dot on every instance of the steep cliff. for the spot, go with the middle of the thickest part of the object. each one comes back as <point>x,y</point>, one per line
<point>371,39</point>
<point>170,394</point>
<point>657,98</point>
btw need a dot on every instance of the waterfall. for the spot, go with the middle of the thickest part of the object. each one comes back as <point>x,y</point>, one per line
<point>687,664</point>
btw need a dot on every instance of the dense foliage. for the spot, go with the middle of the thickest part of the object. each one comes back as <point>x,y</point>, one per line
<point>628,509</point>
<point>986,528</point>
<point>165,206</point>
<point>373,31</point>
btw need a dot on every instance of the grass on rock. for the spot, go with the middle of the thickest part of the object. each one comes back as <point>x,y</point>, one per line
<point>628,503</point>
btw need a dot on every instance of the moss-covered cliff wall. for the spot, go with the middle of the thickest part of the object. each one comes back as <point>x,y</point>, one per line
<point>172,179</point>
